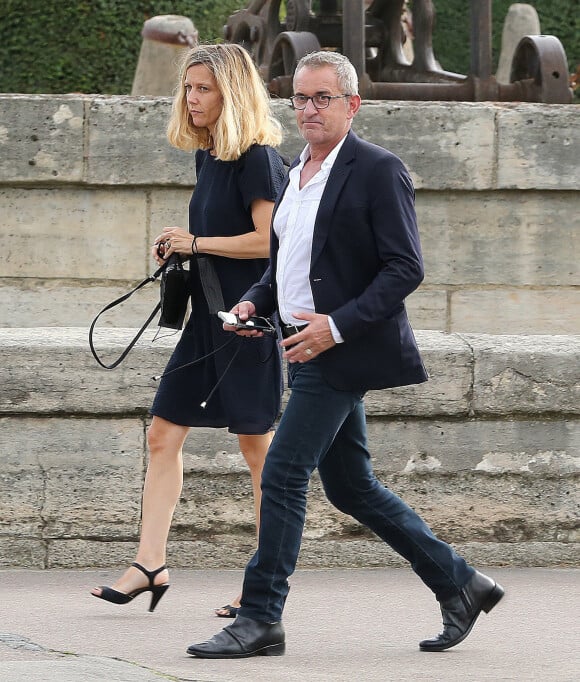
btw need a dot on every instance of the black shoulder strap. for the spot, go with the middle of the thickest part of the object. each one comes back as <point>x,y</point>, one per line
<point>137,336</point>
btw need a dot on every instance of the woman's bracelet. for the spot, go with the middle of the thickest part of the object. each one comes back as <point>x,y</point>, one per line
<point>194,245</point>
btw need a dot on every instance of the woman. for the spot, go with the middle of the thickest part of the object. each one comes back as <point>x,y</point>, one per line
<point>221,109</point>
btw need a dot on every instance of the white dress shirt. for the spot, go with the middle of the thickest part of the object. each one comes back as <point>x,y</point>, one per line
<point>294,227</point>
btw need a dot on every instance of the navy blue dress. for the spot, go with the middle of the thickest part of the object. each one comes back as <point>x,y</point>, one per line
<point>248,394</point>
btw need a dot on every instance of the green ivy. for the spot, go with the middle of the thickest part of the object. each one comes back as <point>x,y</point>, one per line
<point>92,46</point>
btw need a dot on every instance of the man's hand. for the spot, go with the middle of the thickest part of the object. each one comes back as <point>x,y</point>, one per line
<point>309,343</point>
<point>244,310</point>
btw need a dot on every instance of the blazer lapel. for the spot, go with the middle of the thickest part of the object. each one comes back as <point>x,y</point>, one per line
<point>334,185</point>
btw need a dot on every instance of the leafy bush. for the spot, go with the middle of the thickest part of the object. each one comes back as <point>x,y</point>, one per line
<point>89,46</point>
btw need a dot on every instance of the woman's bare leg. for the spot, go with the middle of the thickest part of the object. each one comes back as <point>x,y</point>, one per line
<point>163,482</point>
<point>254,449</point>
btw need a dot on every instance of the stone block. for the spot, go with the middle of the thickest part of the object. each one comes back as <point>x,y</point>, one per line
<point>528,553</point>
<point>52,370</point>
<point>204,553</point>
<point>501,241</point>
<point>461,155</point>
<point>465,509</point>
<point>167,208</point>
<point>371,553</point>
<point>22,485</point>
<point>22,552</point>
<point>538,147</point>
<point>519,475</point>
<point>521,20</point>
<point>445,145</point>
<point>469,146</point>
<point>468,508</point>
<point>315,553</point>
<point>427,309</point>
<point>85,553</point>
<point>83,477</point>
<point>495,502</point>
<point>212,451</point>
<point>509,520</point>
<point>452,143</point>
<point>217,491</point>
<point>501,509</point>
<point>508,238</point>
<point>521,311</point>
<point>31,302</point>
<point>415,446</point>
<point>448,361</point>
<point>162,50</point>
<point>208,552</point>
<point>509,446</point>
<point>211,506</point>
<point>540,376</point>
<point>74,233</point>
<point>98,495</point>
<point>292,142</point>
<point>127,144</point>
<point>41,138</point>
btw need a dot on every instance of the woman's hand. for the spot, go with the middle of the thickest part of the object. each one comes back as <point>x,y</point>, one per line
<point>172,240</point>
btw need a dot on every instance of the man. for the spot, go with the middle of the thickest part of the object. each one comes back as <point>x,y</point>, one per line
<point>345,254</point>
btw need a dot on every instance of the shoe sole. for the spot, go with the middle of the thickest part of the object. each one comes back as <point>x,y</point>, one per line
<point>272,650</point>
<point>491,600</point>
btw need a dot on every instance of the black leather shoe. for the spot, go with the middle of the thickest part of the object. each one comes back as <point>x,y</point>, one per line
<point>461,611</point>
<point>243,638</point>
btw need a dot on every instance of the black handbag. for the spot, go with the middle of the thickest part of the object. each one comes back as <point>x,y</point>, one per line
<point>174,294</point>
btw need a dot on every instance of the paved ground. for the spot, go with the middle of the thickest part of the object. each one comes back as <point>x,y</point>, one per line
<point>341,625</point>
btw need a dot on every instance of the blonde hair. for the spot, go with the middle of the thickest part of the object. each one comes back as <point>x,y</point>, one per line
<point>246,117</point>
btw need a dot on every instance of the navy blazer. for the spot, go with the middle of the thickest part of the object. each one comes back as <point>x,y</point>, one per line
<point>366,259</point>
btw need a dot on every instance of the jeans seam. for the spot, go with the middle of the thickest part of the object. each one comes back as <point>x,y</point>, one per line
<point>274,573</point>
<point>281,543</point>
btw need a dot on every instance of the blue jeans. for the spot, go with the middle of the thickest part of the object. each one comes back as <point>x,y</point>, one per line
<point>326,428</point>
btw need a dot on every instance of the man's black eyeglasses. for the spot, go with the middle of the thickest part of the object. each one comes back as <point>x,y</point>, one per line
<point>299,102</point>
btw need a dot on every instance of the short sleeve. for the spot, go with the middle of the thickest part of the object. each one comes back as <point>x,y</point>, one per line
<point>261,174</point>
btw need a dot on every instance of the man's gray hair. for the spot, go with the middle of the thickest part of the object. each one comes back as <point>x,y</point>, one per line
<point>345,71</point>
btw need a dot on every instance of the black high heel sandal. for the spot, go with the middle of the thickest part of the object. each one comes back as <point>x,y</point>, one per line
<point>230,611</point>
<point>157,591</point>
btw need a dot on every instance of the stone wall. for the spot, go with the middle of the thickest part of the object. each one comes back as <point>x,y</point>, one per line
<point>86,181</point>
<point>487,451</point>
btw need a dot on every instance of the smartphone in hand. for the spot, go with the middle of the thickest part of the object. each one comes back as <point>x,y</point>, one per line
<point>259,324</point>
